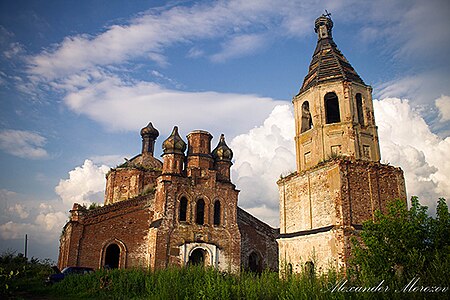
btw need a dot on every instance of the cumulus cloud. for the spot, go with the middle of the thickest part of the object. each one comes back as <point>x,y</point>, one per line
<point>22,214</point>
<point>407,141</point>
<point>261,155</point>
<point>43,220</point>
<point>24,144</point>
<point>20,210</point>
<point>443,104</point>
<point>86,184</point>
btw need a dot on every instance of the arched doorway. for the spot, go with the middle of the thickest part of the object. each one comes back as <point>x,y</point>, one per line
<point>197,257</point>
<point>112,256</point>
<point>254,262</point>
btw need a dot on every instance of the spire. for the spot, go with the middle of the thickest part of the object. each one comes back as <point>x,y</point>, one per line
<point>328,63</point>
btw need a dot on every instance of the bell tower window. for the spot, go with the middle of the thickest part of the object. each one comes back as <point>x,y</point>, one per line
<point>332,113</point>
<point>359,108</point>
<point>306,117</point>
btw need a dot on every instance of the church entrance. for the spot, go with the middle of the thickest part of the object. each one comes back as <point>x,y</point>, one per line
<point>112,256</point>
<point>197,257</point>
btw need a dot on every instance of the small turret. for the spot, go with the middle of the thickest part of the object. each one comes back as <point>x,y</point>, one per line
<point>173,153</point>
<point>222,155</point>
<point>199,150</point>
<point>149,135</point>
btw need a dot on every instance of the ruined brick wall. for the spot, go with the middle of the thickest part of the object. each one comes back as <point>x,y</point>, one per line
<point>125,223</point>
<point>367,187</point>
<point>127,183</point>
<point>258,237</point>
<point>336,196</point>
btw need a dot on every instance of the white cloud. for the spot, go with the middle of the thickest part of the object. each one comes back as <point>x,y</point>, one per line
<point>106,101</point>
<point>42,221</point>
<point>422,87</point>
<point>443,104</point>
<point>46,227</point>
<point>24,144</point>
<point>109,160</point>
<point>239,46</point>
<point>86,184</point>
<point>20,210</point>
<point>261,155</point>
<point>407,141</point>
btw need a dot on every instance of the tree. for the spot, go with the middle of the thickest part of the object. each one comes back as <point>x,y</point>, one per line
<point>402,244</point>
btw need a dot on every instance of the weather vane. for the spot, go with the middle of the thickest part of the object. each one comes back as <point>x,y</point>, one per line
<point>327,14</point>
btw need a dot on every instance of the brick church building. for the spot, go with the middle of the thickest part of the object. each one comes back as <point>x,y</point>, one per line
<point>184,210</point>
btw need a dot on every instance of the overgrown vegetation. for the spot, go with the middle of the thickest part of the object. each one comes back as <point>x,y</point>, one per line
<point>402,245</point>
<point>18,273</point>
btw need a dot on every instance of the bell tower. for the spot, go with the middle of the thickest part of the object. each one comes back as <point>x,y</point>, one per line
<point>339,182</point>
<point>333,110</point>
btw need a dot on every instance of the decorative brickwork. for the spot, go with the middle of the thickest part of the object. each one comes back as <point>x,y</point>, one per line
<point>183,211</point>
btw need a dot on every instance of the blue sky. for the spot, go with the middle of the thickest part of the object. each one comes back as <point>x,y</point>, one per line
<point>78,79</point>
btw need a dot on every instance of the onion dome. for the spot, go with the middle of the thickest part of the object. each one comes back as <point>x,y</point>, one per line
<point>150,131</point>
<point>174,143</point>
<point>222,151</point>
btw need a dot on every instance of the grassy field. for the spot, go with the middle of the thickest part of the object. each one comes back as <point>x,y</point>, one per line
<point>200,283</point>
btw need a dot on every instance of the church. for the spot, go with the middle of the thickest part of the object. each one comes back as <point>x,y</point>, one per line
<point>184,209</point>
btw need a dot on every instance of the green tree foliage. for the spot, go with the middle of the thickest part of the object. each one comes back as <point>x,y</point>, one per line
<point>403,244</point>
<point>16,271</point>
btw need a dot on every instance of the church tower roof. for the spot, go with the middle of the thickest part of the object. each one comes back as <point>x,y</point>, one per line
<point>222,151</point>
<point>174,143</point>
<point>328,63</point>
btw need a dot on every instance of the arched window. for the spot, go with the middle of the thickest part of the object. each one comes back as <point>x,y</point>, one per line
<point>217,212</point>
<point>183,209</point>
<point>332,113</point>
<point>359,108</point>
<point>200,214</point>
<point>112,256</point>
<point>306,117</point>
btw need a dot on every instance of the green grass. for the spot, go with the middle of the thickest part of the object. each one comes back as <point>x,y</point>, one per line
<point>199,283</point>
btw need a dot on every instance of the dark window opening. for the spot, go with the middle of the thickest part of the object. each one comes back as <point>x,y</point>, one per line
<point>309,268</point>
<point>183,209</point>
<point>359,107</point>
<point>254,263</point>
<point>200,215</point>
<point>332,113</point>
<point>306,118</point>
<point>197,257</point>
<point>217,213</point>
<point>112,256</point>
